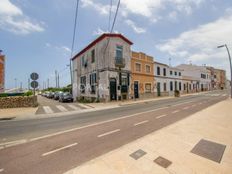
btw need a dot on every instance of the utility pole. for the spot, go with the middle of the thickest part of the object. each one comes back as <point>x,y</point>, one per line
<point>28,83</point>
<point>15,83</point>
<point>56,79</point>
<point>47,83</point>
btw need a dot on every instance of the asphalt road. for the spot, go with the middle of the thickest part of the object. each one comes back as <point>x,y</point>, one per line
<point>92,134</point>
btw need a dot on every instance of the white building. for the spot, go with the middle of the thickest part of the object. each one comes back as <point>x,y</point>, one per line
<point>101,71</point>
<point>201,76</point>
<point>168,79</point>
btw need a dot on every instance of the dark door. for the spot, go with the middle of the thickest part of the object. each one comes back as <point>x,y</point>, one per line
<point>158,89</point>
<point>136,89</point>
<point>113,89</point>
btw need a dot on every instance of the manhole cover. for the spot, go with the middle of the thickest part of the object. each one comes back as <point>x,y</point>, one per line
<point>7,118</point>
<point>138,154</point>
<point>210,150</point>
<point>162,162</point>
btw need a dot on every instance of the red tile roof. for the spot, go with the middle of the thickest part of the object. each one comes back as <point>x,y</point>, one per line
<point>101,38</point>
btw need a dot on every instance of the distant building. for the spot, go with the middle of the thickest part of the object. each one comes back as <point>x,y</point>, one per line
<point>2,73</point>
<point>168,79</point>
<point>142,75</point>
<point>201,74</point>
<point>101,71</point>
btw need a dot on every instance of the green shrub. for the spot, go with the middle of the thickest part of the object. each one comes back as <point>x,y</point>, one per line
<point>3,95</point>
<point>28,93</point>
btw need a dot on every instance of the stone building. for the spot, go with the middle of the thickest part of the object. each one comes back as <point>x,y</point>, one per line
<point>101,71</point>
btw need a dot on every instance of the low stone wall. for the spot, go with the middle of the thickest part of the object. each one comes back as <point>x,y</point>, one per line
<point>18,102</point>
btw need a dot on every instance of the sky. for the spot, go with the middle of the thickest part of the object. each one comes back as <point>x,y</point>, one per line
<point>36,36</point>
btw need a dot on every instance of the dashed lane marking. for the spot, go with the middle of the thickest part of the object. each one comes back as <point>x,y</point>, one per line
<point>61,108</point>
<point>74,107</point>
<point>175,111</point>
<point>142,122</point>
<point>1,170</point>
<point>47,110</point>
<point>59,149</point>
<point>158,117</point>
<point>108,133</point>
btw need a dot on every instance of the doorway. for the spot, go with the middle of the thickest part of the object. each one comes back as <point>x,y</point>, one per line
<point>136,89</point>
<point>113,89</point>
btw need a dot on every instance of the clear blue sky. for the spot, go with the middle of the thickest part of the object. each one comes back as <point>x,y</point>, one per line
<point>36,35</point>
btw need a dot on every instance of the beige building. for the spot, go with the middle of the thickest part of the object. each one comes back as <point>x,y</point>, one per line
<point>142,75</point>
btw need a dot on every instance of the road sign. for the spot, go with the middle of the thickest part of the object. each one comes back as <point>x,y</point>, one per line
<point>34,76</point>
<point>34,84</point>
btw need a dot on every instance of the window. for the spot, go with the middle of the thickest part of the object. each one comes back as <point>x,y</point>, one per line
<point>148,88</point>
<point>83,61</point>
<point>165,87</point>
<point>164,71</point>
<point>175,73</point>
<point>180,86</point>
<point>158,70</point>
<point>119,51</point>
<point>170,72</point>
<point>184,87</point>
<point>179,73</point>
<point>83,84</point>
<point>203,76</point>
<point>171,86</point>
<point>137,67</point>
<point>93,56</point>
<point>148,68</point>
<point>92,82</point>
<point>215,76</point>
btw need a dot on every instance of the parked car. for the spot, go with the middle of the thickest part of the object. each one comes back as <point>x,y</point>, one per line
<point>57,95</point>
<point>66,97</point>
<point>51,95</point>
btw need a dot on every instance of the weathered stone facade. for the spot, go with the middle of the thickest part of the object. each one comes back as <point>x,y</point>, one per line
<point>18,102</point>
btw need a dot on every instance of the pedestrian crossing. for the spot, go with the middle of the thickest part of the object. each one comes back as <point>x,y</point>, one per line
<point>58,109</point>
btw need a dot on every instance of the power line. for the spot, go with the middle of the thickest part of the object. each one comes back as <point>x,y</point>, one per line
<point>73,39</point>
<point>115,16</point>
<point>110,15</point>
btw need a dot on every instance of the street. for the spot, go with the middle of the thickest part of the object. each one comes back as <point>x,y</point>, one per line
<point>55,145</point>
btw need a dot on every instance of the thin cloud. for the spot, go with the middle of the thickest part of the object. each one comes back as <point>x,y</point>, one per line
<point>12,19</point>
<point>136,29</point>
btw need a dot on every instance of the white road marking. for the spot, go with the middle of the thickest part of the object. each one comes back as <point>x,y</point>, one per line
<point>158,117</point>
<point>48,110</point>
<point>94,124</point>
<point>108,133</point>
<point>59,149</point>
<point>224,95</point>
<point>1,170</point>
<point>11,143</point>
<point>175,111</point>
<point>61,108</point>
<point>142,122</point>
<point>74,107</point>
<point>183,103</point>
<point>186,108</point>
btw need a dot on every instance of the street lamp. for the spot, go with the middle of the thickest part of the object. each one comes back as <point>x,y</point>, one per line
<point>230,67</point>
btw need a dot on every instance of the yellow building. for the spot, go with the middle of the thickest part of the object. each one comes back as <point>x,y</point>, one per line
<point>142,75</point>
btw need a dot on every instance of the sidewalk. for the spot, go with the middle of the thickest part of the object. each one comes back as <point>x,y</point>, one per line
<point>174,143</point>
<point>17,112</point>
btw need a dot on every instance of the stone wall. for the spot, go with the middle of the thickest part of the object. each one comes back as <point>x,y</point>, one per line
<point>18,102</point>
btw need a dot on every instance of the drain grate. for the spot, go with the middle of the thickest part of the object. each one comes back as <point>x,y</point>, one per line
<point>163,162</point>
<point>138,154</point>
<point>7,118</point>
<point>209,150</point>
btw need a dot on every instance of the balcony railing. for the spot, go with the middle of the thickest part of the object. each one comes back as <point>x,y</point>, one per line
<point>120,62</point>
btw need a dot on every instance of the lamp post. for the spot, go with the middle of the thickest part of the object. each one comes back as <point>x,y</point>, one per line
<point>230,67</point>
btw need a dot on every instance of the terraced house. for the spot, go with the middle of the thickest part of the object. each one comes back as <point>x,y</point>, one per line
<point>168,79</point>
<point>2,72</point>
<point>101,71</point>
<point>142,75</point>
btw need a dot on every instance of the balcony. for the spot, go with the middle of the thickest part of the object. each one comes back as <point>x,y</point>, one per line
<point>120,62</point>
